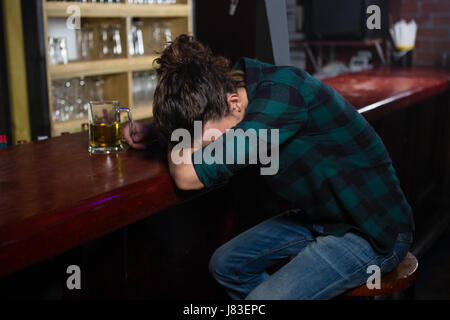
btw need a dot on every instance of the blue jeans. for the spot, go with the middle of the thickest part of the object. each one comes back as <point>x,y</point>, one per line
<point>325,266</point>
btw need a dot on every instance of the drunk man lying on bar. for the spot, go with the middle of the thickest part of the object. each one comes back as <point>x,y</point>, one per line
<point>350,212</point>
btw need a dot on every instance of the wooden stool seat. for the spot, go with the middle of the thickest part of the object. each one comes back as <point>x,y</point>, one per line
<point>397,280</point>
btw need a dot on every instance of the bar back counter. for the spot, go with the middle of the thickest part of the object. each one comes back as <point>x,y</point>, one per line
<point>121,219</point>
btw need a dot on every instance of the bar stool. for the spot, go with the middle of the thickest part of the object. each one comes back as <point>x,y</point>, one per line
<point>401,279</point>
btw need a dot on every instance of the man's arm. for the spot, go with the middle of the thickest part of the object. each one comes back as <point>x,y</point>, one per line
<point>184,174</point>
<point>140,135</point>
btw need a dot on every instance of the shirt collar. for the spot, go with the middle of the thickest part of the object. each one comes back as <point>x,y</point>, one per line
<point>253,71</point>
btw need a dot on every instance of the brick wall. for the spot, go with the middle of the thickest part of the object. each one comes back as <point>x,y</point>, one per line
<point>433,19</point>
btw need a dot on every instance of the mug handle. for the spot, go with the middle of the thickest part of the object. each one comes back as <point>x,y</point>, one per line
<point>130,119</point>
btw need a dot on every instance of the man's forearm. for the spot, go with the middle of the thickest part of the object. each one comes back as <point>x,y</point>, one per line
<point>184,173</point>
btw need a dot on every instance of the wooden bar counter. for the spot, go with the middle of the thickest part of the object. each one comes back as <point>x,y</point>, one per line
<point>55,196</point>
<point>380,92</point>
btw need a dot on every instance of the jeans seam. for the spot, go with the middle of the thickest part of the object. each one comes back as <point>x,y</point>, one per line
<point>349,277</point>
<point>237,270</point>
<point>398,258</point>
<point>393,255</point>
<point>364,266</point>
<point>361,268</point>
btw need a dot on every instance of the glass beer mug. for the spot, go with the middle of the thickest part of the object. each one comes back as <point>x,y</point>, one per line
<point>105,131</point>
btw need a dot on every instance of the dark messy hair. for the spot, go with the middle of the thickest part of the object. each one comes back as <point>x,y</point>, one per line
<point>192,86</point>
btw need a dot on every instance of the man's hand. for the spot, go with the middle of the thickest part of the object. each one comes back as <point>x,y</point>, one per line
<point>137,135</point>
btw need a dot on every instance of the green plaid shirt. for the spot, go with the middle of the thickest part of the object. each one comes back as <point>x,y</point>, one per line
<point>332,164</point>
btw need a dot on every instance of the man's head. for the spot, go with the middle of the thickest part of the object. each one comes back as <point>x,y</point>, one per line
<point>194,85</point>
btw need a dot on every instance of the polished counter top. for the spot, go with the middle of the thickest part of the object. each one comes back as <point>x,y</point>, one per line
<point>379,92</point>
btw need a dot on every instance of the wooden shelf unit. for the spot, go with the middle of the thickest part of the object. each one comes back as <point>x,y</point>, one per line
<point>101,67</point>
<point>118,72</point>
<point>119,10</point>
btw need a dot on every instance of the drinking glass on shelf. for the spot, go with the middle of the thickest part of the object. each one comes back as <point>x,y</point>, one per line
<point>137,88</point>
<point>165,1</point>
<point>58,50</point>
<point>105,43</point>
<point>102,41</point>
<point>57,102</point>
<point>63,53</point>
<point>52,50</point>
<point>144,85</point>
<point>150,87</point>
<point>156,42</point>
<point>69,107</point>
<point>160,35</point>
<point>71,97</point>
<point>117,41</point>
<point>152,1</point>
<point>86,42</point>
<point>167,33</point>
<point>99,85</point>
<point>137,39</point>
<point>82,44</point>
<point>80,96</point>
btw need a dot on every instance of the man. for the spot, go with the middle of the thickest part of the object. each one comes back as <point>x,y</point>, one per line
<point>350,212</point>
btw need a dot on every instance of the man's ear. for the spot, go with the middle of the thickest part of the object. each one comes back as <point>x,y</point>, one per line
<point>234,103</point>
